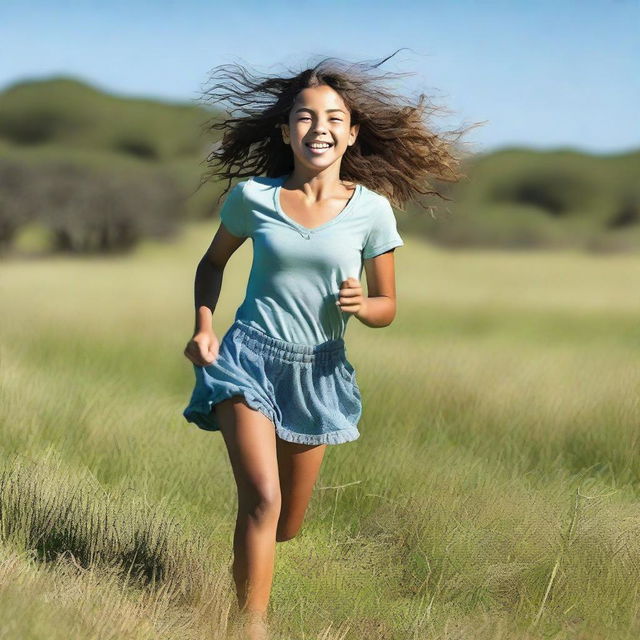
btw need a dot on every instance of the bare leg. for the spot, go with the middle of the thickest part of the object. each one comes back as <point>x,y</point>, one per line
<point>299,465</point>
<point>251,443</point>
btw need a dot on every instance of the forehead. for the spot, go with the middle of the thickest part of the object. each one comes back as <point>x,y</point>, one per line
<point>320,95</point>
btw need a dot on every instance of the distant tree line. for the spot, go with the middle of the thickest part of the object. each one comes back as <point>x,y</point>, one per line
<point>87,210</point>
<point>519,198</point>
<point>100,172</point>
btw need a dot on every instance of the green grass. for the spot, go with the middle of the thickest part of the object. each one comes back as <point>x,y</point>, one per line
<point>493,493</point>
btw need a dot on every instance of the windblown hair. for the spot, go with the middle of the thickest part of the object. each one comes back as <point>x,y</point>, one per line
<point>395,152</point>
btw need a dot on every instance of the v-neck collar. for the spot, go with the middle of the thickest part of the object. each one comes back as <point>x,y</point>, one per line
<point>300,227</point>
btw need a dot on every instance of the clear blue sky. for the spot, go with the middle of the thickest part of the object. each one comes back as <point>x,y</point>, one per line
<point>543,73</point>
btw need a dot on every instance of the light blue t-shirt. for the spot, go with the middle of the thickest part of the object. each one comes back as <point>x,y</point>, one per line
<point>296,271</point>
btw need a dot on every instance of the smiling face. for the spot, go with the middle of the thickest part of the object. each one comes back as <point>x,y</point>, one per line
<point>319,115</point>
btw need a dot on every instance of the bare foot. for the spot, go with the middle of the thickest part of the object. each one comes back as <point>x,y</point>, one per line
<point>251,625</point>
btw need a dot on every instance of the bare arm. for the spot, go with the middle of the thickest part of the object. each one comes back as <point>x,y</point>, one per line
<point>202,348</point>
<point>206,292</point>
<point>378,307</point>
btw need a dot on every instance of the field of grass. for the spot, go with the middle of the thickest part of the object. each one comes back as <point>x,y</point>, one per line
<point>493,493</point>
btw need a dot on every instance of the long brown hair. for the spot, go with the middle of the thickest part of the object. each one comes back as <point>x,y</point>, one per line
<point>396,150</point>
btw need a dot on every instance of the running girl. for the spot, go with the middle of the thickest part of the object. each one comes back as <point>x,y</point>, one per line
<point>321,155</point>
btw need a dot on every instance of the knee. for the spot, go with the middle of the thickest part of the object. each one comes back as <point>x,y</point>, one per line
<point>284,537</point>
<point>261,504</point>
<point>283,534</point>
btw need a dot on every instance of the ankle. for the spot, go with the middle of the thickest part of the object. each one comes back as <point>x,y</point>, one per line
<point>253,614</point>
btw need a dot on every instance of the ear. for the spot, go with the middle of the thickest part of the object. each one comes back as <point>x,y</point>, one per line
<point>353,134</point>
<point>285,133</point>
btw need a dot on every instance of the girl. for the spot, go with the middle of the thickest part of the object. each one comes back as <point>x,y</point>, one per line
<point>322,152</point>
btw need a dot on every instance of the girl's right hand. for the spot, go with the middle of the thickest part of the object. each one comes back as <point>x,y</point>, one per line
<point>202,349</point>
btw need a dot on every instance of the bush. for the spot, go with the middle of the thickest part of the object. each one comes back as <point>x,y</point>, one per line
<point>16,207</point>
<point>550,189</point>
<point>494,226</point>
<point>89,209</point>
<point>91,212</point>
<point>627,213</point>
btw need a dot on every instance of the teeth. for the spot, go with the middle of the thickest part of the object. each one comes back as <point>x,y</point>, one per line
<point>317,145</point>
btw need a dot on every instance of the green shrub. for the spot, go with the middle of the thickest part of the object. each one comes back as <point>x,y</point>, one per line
<point>514,226</point>
<point>88,207</point>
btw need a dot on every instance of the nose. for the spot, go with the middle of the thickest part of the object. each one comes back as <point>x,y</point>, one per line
<point>319,128</point>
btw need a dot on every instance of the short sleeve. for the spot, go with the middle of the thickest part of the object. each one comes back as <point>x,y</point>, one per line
<point>383,233</point>
<point>234,212</point>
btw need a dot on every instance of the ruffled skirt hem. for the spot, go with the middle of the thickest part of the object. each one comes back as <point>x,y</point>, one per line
<point>202,415</point>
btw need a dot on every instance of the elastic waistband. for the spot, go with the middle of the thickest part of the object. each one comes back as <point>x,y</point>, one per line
<point>260,341</point>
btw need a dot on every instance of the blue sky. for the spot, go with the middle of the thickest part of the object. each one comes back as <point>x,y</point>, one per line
<point>544,74</point>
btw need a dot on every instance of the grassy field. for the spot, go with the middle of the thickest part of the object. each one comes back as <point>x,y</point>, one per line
<point>493,493</point>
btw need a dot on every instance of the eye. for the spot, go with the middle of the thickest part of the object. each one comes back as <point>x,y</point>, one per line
<point>308,118</point>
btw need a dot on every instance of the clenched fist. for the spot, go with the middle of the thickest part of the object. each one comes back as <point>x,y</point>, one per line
<point>350,298</point>
<point>202,349</point>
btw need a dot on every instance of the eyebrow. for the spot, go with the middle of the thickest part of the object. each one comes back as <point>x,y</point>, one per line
<point>312,111</point>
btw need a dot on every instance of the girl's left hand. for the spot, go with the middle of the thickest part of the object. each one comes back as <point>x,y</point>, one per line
<point>350,298</point>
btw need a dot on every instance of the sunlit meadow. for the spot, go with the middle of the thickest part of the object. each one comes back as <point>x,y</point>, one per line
<point>493,493</point>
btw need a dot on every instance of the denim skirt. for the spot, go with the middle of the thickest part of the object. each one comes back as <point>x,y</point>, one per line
<point>309,392</point>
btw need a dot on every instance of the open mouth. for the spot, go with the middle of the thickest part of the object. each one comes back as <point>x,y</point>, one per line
<point>320,148</point>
